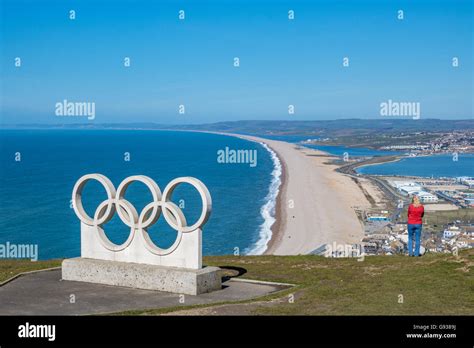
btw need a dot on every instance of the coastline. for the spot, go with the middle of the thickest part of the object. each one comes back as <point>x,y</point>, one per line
<point>270,210</point>
<point>323,200</point>
<point>280,214</point>
<point>381,160</point>
<point>279,224</point>
<point>319,223</point>
<point>351,169</point>
<point>326,199</point>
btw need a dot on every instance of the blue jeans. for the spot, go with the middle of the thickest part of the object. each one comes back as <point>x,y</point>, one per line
<point>414,232</point>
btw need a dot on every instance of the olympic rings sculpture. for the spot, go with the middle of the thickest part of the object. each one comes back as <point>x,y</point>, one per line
<point>150,214</point>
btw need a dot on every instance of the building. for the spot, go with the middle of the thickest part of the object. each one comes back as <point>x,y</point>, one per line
<point>377,215</point>
<point>426,197</point>
<point>370,248</point>
<point>469,201</point>
<point>406,187</point>
<point>399,228</point>
<point>450,232</point>
<point>409,190</point>
<point>404,239</point>
<point>469,182</point>
<point>397,246</point>
<point>378,218</point>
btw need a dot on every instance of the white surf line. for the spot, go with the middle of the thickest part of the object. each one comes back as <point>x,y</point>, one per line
<point>268,209</point>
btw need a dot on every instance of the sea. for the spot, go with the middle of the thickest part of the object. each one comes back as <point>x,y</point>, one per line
<point>436,166</point>
<point>40,167</point>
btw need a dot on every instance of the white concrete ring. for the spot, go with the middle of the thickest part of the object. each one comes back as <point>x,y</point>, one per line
<point>152,186</point>
<point>178,220</point>
<point>132,213</point>
<point>205,197</point>
<point>77,199</point>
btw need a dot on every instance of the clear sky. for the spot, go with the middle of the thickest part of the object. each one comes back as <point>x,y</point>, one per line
<point>191,61</point>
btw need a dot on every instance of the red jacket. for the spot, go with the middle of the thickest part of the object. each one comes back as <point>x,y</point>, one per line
<point>415,214</point>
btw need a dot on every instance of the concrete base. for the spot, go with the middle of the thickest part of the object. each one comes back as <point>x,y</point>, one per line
<point>142,276</point>
<point>44,293</point>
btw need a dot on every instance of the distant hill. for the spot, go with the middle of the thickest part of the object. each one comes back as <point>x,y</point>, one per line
<point>335,127</point>
<point>311,128</point>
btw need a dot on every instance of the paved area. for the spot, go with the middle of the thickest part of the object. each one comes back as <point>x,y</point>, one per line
<point>44,293</point>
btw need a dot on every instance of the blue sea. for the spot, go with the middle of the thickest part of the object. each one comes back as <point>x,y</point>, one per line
<point>427,166</point>
<point>35,192</point>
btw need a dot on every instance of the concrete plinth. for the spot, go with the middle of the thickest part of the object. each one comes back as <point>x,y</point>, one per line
<point>142,276</point>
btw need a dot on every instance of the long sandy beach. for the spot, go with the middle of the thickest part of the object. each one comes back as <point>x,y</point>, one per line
<point>315,205</point>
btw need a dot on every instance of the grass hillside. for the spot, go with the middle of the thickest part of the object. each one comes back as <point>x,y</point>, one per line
<point>378,285</point>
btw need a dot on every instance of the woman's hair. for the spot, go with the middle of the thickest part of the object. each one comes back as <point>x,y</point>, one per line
<point>415,200</point>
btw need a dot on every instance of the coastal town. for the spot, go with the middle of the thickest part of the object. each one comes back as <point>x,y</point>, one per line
<point>448,143</point>
<point>448,222</point>
<point>377,202</point>
<point>416,143</point>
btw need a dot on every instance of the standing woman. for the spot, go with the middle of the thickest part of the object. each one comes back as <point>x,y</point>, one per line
<point>415,221</point>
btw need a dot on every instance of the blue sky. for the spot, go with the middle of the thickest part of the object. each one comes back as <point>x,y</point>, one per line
<point>190,62</point>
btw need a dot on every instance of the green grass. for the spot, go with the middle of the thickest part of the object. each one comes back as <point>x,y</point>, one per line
<point>441,218</point>
<point>435,284</point>
<point>10,268</point>
<point>432,284</point>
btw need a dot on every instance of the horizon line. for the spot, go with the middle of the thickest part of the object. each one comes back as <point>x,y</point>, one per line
<point>5,125</point>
